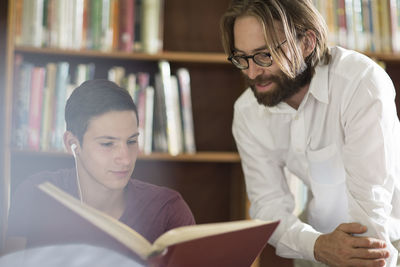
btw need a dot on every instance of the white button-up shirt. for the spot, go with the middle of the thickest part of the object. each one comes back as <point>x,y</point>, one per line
<point>343,142</point>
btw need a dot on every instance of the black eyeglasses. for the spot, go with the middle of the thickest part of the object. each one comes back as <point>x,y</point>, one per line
<point>263,59</point>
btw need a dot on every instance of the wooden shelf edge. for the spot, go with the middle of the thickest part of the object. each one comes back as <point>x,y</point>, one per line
<point>204,156</point>
<point>387,57</point>
<point>194,57</point>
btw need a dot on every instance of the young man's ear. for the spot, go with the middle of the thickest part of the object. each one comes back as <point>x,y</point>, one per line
<point>309,43</point>
<point>71,143</point>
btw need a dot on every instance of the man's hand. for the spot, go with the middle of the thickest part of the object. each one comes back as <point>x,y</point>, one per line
<point>341,248</point>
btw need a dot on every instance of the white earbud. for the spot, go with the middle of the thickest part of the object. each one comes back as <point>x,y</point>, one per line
<point>73,147</point>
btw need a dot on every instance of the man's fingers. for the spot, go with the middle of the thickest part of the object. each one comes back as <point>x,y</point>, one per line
<point>369,263</point>
<point>368,242</point>
<point>352,228</point>
<point>363,253</point>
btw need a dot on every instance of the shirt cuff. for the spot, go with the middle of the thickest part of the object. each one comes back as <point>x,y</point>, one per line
<point>307,241</point>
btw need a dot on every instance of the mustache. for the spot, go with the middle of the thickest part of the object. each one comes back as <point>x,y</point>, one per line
<point>262,79</point>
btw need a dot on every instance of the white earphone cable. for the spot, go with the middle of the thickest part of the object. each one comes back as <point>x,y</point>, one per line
<point>73,146</point>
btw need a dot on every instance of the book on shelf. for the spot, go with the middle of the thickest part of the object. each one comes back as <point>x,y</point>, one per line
<point>350,27</point>
<point>152,25</point>
<point>363,25</point>
<point>127,25</point>
<point>186,110</point>
<point>34,31</point>
<point>62,81</point>
<point>143,82</point>
<point>48,106</point>
<point>235,243</point>
<point>342,24</point>
<point>124,25</point>
<point>18,21</point>
<point>376,26</point>
<point>17,99</point>
<point>78,9</point>
<point>367,23</point>
<point>137,45</point>
<point>172,109</point>
<point>117,74</point>
<point>21,105</point>
<point>395,24</point>
<point>160,117</point>
<point>35,107</point>
<point>148,125</point>
<point>95,30</point>
<point>384,17</point>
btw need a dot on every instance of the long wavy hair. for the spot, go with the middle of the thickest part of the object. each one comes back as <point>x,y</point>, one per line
<point>296,18</point>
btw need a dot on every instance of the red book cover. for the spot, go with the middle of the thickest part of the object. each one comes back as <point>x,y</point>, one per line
<point>127,23</point>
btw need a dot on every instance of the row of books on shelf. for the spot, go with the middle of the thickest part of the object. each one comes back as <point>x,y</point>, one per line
<point>164,106</point>
<point>125,25</point>
<point>363,25</point>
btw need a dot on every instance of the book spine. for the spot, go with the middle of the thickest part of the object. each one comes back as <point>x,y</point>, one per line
<point>341,15</point>
<point>19,10</point>
<point>22,81</point>
<point>376,34</point>
<point>138,44</point>
<point>141,109</point>
<point>349,13</point>
<point>131,86</point>
<point>77,24</point>
<point>385,26</point>
<point>127,24</point>
<point>106,37</point>
<point>61,96</point>
<point>48,106</point>
<point>367,23</point>
<point>174,118</point>
<point>148,128</point>
<point>151,26</point>
<point>115,14</point>
<point>27,17</point>
<point>186,109</point>
<point>359,30</point>
<point>160,124</point>
<point>95,24</point>
<point>35,107</point>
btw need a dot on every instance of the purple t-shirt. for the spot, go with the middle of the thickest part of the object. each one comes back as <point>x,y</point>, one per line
<point>151,211</point>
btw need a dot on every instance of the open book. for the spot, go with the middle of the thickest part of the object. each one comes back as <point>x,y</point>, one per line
<point>235,243</point>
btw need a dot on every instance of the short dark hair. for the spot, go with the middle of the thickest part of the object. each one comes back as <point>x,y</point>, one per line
<point>94,98</point>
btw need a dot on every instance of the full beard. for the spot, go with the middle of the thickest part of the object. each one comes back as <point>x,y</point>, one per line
<point>285,87</point>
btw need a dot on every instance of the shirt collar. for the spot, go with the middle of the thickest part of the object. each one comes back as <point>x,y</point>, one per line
<point>319,84</point>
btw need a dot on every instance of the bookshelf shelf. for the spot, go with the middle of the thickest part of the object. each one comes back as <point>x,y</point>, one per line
<point>386,57</point>
<point>207,156</point>
<point>192,57</point>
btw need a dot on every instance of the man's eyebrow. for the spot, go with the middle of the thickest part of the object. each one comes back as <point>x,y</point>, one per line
<point>254,50</point>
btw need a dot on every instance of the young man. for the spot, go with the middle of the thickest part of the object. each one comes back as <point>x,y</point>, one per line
<point>326,115</point>
<point>102,133</point>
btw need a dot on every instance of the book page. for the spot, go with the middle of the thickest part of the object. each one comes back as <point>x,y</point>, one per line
<point>124,234</point>
<point>186,233</point>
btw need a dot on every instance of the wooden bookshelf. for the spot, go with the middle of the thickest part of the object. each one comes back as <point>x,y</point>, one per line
<point>211,180</point>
